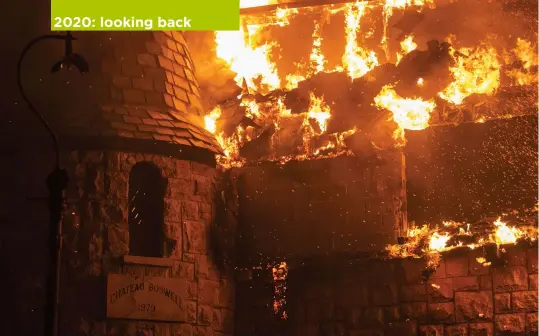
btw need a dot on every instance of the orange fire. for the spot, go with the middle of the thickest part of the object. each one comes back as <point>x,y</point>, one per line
<point>476,70</point>
<point>357,60</point>
<point>526,53</point>
<point>438,238</point>
<point>477,73</point>
<point>411,114</point>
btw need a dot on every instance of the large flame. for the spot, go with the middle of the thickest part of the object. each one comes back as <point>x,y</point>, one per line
<point>249,53</point>
<point>475,71</point>
<point>248,62</point>
<point>408,113</point>
<point>357,60</point>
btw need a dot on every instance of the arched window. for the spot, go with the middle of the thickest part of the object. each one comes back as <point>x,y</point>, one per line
<point>146,210</point>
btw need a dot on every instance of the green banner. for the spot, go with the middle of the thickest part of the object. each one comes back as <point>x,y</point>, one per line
<point>132,15</point>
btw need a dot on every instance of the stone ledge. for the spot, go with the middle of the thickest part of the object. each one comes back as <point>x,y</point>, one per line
<point>147,261</point>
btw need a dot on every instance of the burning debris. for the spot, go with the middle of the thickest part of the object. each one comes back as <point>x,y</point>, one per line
<point>280,273</point>
<point>492,235</point>
<point>377,88</point>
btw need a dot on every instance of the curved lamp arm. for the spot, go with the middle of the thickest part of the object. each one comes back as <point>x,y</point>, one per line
<point>33,42</point>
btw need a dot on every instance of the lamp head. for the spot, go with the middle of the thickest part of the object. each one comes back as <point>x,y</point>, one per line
<point>71,59</point>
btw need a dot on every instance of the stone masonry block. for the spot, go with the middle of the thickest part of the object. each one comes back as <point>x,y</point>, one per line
<point>533,281</point>
<point>531,323</point>
<point>357,296</point>
<point>456,266</point>
<point>440,290</point>
<point>412,293</point>
<point>524,301</point>
<point>532,260</point>
<point>511,278</point>
<point>194,237</point>
<point>431,330</point>
<point>118,240</point>
<point>190,310</point>
<point>470,306</point>
<point>502,303</point>
<point>440,272</point>
<point>372,316</point>
<point>113,212</point>
<point>118,185</point>
<point>385,295</point>
<point>414,311</point>
<point>511,323</point>
<point>406,328</point>
<point>456,330</point>
<point>515,255</point>
<point>208,292</point>
<point>441,312</point>
<point>208,316</point>
<point>179,189</point>
<point>172,210</point>
<point>183,270</point>
<point>485,282</point>
<point>411,270</point>
<point>463,284</point>
<point>173,231</point>
<point>205,267</point>
<point>481,329</point>
<point>190,210</point>
<point>391,314</point>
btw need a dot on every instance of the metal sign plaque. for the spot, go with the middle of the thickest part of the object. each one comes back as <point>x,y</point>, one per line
<point>148,298</point>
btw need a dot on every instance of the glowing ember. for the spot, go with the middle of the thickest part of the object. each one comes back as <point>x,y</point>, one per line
<point>280,273</point>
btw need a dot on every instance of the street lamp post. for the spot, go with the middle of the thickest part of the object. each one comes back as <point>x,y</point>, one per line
<point>56,181</point>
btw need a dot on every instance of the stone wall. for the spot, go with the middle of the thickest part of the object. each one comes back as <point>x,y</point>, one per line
<point>97,244</point>
<point>389,297</point>
<point>99,197</point>
<point>317,207</point>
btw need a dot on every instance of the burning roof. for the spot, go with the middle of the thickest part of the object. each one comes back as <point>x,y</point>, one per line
<point>350,78</point>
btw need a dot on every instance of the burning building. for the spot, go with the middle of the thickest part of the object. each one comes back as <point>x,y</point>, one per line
<point>332,168</point>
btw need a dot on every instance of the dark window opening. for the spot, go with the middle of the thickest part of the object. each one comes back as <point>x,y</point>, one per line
<point>146,210</point>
